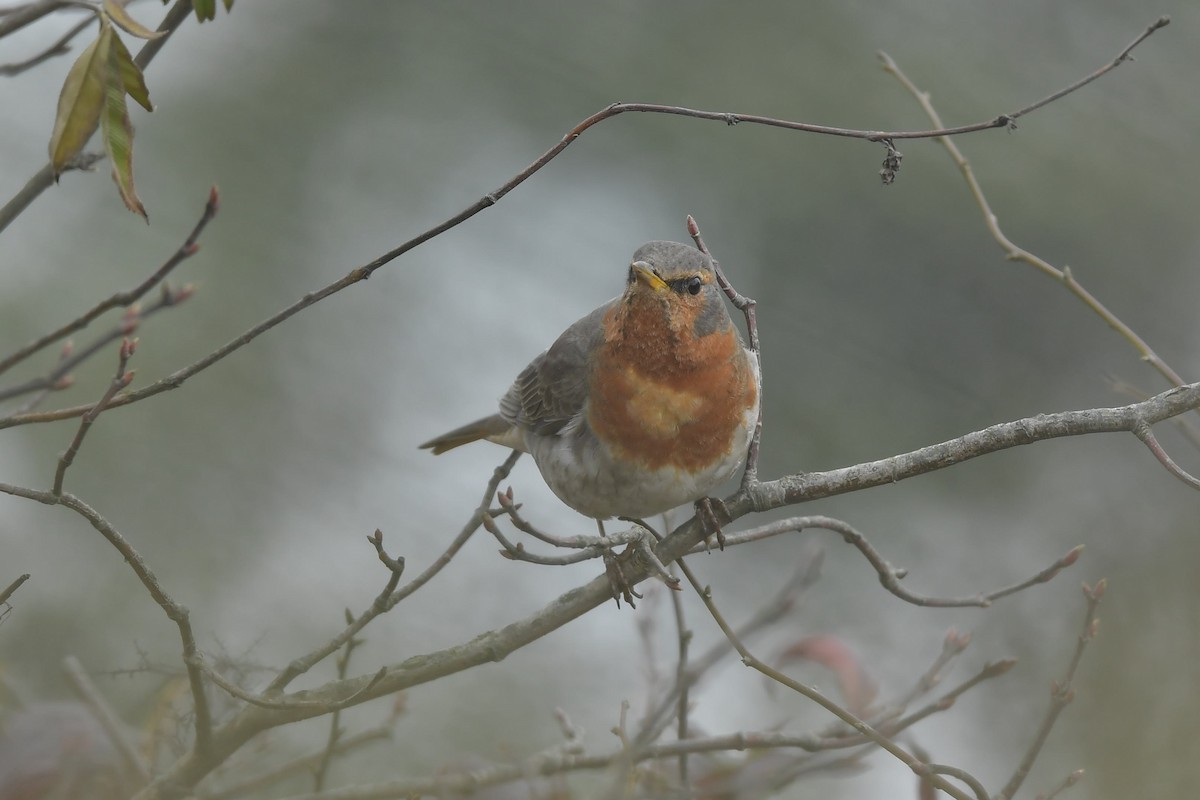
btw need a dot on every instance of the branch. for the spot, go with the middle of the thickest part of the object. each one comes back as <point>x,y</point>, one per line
<point>809,486</point>
<point>390,595</point>
<point>113,727</point>
<point>890,576</point>
<point>119,382</point>
<point>174,611</point>
<point>176,379</point>
<point>1011,250</point>
<point>1061,693</point>
<point>27,14</point>
<point>7,592</point>
<point>918,767</point>
<point>304,763</point>
<point>120,299</point>
<point>59,47</point>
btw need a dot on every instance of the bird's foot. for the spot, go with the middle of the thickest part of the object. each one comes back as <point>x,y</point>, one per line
<point>619,586</point>
<point>638,558</point>
<point>712,514</point>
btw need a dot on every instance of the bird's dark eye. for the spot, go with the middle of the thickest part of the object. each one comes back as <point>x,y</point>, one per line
<point>690,285</point>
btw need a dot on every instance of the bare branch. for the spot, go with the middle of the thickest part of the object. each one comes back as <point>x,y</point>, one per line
<point>918,767</point>
<point>303,764</point>
<point>120,299</point>
<point>390,596</point>
<point>7,592</point>
<point>174,611</point>
<point>890,576</point>
<point>809,486</point>
<point>59,47</point>
<point>1066,783</point>
<point>318,707</point>
<point>114,728</point>
<point>1011,250</point>
<point>1062,692</point>
<point>1148,438</point>
<point>119,382</point>
<point>321,769</point>
<point>29,13</point>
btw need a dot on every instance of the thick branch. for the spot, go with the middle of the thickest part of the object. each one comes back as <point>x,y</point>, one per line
<point>800,488</point>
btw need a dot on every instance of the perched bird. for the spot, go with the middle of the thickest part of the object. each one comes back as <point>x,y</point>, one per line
<point>643,405</point>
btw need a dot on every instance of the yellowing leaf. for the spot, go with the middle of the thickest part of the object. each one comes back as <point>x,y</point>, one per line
<point>129,74</point>
<point>117,13</point>
<point>81,100</point>
<point>117,133</point>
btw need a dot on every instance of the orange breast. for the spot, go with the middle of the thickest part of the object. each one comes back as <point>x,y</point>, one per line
<point>659,410</point>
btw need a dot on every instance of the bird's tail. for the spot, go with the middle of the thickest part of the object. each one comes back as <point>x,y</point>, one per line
<point>493,428</point>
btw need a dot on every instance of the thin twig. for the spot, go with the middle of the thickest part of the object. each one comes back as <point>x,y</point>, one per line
<point>961,774</point>
<point>7,592</point>
<point>1148,438</point>
<point>1062,691</point>
<point>388,599</point>
<point>684,638</point>
<point>1121,58</point>
<point>1066,783</point>
<point>320,707</point>
<point>1016,253</point>
<point>747,306</point>
<point>114,728</point>
<point>126,298</point>
<point>891,726</point>
<point>953,645</point>
<point>918,767</point>
<point>806,574</point>
<point>60,378</point>
<point>175,612</point>
<point>302,764</point>
<point>890,576</point>
<point>321,770</point>
<point>60,47</point>
<point>29,13</point>
<point>119,382</point>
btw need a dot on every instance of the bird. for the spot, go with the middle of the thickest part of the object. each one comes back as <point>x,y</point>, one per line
<point>645,404</point>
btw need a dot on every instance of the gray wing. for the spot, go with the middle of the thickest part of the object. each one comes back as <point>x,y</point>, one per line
<point>553,389</point>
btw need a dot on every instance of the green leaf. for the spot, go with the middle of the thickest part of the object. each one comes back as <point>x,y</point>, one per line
<point>117,13</point>
<point>81,100</point>
<point>117,132</point>
<point>205,9</point>
<point>228,6</point>
<point>129,74</point>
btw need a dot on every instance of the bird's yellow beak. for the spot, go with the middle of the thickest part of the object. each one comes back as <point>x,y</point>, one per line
<point>644,273</point>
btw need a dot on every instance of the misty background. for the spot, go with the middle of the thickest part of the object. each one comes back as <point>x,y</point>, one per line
<point>889,320</point>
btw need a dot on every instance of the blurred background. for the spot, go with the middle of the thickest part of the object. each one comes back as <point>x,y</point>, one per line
<point>889,320</point>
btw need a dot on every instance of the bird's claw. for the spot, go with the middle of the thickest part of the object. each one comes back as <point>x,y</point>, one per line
<point>712,514</point>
